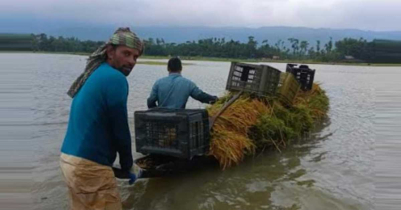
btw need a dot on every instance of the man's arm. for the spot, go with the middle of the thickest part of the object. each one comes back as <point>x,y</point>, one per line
<point>117,95</point>
<point>153,96</point>
<point>201,96</point>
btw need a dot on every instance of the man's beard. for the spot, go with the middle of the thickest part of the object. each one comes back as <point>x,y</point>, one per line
<point>125,70</point>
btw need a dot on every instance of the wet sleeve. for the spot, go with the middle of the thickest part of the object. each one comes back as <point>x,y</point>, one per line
<point>153,96</point>
<point>117,95</point>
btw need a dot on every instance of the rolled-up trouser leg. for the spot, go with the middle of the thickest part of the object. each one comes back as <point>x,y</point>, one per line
<point>91,186</point>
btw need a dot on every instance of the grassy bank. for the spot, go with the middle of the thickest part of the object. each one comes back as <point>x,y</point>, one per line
<point>252,125</point>
<point>197,58</point>
<point>308,61</point>
<point>162,63</point>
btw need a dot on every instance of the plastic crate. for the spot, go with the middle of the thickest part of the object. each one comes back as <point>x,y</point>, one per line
<point>290,66</point>
<point>287,88</point>
<point>180,133</point>
<point>258,79</point>
<point>304,75</point>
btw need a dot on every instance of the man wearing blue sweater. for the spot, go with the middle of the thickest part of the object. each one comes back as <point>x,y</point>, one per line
<point>174,90</point>
<point>98,125</point>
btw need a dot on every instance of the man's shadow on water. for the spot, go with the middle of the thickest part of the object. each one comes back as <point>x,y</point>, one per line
<point>204,185</point>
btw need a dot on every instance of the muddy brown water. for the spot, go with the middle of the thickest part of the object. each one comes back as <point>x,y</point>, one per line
<point>351,162</point>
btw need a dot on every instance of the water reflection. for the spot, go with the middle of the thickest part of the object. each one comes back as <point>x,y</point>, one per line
<point>254,184</point>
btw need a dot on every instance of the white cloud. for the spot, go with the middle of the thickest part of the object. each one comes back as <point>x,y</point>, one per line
<point>362,14</point>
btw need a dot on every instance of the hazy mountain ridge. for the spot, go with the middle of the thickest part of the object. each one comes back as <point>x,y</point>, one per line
<point>272,34</point>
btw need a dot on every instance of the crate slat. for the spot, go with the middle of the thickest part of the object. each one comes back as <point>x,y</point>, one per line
<point>258,79</point>
<point>181,133</point>
<point>288,88</point>
<point>303,74</point>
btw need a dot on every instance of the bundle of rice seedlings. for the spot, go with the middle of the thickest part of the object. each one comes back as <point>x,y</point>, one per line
<point>315,100</point>
<point>288,123</point>
<point>230,141</point>
<point>253,124</point>
<point>279,128</point>
<point>229,147</point>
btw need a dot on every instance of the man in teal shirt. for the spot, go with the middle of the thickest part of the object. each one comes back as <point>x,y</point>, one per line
<point>174,90</point>
<point>98,125</point>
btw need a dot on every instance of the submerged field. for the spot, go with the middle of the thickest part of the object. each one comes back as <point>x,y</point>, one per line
<point>332,169</point>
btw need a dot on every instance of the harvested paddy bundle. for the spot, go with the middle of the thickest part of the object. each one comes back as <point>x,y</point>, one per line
<point>253,124</point>
<point>230,141</point>
<point>314,100</point>
<point>288,123</point>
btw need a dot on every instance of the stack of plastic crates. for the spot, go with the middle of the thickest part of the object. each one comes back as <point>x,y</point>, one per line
<point>287,88</point>
<point>181,133</point>
<point>258,79</point>
<point>303,74</point>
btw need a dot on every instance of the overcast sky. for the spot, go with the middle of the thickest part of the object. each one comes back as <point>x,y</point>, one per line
<point>378,15</point>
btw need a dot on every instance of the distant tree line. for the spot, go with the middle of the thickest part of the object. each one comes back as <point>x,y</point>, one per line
<point>42,42</point>
<point>348,49</point>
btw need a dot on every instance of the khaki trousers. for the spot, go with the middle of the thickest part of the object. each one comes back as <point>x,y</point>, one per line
<point>91,186</point>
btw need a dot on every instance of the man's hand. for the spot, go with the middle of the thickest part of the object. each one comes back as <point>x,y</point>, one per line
<point>134,173</point>
<point>215,99</point>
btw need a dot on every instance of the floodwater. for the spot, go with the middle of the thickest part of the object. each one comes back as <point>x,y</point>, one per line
<point>351,162</point>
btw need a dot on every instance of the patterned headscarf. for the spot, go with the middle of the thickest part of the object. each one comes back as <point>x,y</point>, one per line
<point>123,36</point>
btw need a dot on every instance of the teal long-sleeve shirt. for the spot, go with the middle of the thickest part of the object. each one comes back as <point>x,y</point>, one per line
<point>98,125</point>
<point>173,92</point>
